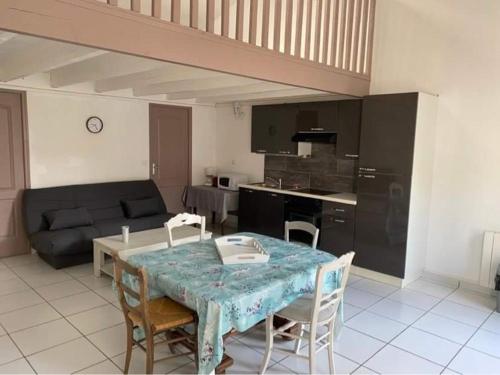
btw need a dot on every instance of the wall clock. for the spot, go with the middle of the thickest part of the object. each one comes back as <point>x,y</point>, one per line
<point>94,124</point>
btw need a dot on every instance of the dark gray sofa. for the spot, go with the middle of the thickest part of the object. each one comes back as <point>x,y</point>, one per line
<point>105,204</point>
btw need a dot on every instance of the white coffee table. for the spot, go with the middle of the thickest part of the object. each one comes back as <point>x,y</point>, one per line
<point>139,242</point>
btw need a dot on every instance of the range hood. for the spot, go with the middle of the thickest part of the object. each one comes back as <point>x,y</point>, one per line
<point>315,137</point>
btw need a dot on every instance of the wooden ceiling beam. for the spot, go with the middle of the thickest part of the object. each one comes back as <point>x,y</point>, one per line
<point>100,67</point>
<point>276,94</point>
<point>237,90</point>
<point>170,72</point>
<point>22,56</point>
<point>192,84</point>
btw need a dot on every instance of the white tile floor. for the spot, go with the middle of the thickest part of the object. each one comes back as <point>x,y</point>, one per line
<point>68,321</point>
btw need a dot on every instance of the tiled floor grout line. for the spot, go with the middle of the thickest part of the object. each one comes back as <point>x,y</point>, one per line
<point>465,344</point>
<point>81,333</point>
<point>18,348</point>
<point>394,338</point>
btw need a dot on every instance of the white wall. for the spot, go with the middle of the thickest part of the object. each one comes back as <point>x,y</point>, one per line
<point>63,152</point>
<point>451,48</point>
<point>233,139</point>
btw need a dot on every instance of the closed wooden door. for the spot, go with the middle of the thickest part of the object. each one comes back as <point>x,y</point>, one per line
<point>12,175</point>
<point>170,152</point>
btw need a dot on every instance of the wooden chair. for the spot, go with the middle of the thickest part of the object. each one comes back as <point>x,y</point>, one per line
<point>181,220</point>
<point>303,226</point>
<point>161,315</point>
<point>316,311</point>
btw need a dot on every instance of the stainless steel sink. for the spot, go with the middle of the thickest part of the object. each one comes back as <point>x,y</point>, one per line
<point>273,186</point>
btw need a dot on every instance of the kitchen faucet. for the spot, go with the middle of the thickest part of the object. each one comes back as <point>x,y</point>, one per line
<point>275,181</point>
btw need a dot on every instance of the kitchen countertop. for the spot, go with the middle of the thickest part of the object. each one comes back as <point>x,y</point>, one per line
<point>346,198</point>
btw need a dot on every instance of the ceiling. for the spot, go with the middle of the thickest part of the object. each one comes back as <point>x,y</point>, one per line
<point>68,65</point>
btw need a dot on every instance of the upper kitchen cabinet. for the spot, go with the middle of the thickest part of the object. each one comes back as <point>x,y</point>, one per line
<point>273,127</point>
<point>348,128</point>
<point>317,116</point>
<point>388,133</point>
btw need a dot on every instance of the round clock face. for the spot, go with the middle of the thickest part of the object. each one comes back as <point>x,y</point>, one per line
<point>94,124</point>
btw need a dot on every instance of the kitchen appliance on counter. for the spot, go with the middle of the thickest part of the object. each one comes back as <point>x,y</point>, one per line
<point>231,181</point>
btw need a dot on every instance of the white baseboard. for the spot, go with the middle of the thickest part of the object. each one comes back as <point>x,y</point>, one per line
<point>377,276</point>
<point>458,283</point>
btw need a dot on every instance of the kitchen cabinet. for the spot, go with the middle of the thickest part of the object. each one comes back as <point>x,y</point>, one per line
<point>272,129</point>
<point>394,183</point>
<point>261,212</point>
<point>317,116</point>
<point>337,228</point>
<point>348,128</point>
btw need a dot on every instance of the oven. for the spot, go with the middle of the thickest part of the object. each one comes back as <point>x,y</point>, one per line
<point>303,209</point>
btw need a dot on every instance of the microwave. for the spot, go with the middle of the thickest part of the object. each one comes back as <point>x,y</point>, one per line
<point>231,181</point>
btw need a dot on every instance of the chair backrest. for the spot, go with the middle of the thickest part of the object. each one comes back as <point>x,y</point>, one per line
<point>126,293</point>
<point>330,301</point>
<point>303,226</point>
<point>181,220</point>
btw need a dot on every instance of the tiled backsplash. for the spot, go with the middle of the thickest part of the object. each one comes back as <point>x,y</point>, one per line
<point>321,171</point>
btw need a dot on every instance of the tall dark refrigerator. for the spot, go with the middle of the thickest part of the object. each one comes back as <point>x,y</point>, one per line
<point>396,149</point>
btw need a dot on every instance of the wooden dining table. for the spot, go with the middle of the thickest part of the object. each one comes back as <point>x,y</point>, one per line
<point>232,297</point>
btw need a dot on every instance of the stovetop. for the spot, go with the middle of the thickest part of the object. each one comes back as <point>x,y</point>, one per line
<point>316,191</point>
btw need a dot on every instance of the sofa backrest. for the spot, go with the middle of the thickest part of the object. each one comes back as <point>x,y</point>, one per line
<point>102,200</point>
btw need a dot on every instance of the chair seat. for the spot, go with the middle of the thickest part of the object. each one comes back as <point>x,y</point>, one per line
<point>300,310</point>
<point>164,314</point>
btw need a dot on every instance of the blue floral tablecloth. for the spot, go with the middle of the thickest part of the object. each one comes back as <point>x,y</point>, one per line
<point>231,296</point>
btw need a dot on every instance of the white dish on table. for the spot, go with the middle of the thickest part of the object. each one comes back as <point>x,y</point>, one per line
<point>240,250</point>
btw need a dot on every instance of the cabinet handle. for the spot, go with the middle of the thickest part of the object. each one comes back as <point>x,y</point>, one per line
<point>339,221</point>
<point>273,195</point>
<point>262,151</point>
<point>339,210</point>
<point>317,129</point>
<point>351,156</point>
<point>249,191</point>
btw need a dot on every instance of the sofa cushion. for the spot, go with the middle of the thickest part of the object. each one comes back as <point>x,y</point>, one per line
<point>68,218</point>
<point>64,241</point>
<point>112,227</point>
<point>136,208</point>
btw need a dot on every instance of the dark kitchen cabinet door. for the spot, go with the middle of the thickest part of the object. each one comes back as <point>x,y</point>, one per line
<point>337,235</point>
<point>248,210</point>
<point>337,228</point>
<point>382,222</point>
<point>348,129</point>
<point>271,216</point>
<point>388,132</point>
<point>272,129</point>
<point>261,212</point>
<point>317,116</point>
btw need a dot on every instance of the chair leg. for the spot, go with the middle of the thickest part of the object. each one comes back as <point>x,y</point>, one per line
<point>299,341</point>
<point>150,352</point>
<point>312,350</point>
<point>331,335</point>
<point>269,343</point>
<point>130,343</point>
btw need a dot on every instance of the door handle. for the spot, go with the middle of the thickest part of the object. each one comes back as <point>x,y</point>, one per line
<point>339,210</point>
<point>317,129</point>
<point>339,221</point>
